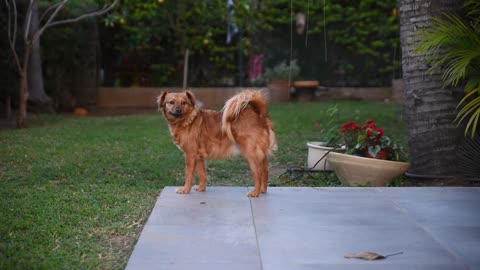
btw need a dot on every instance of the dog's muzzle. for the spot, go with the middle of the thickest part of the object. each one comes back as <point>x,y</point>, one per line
<point>177,113</point>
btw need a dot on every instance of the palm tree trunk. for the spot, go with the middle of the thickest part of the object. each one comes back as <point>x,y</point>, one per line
<point>429,108</point>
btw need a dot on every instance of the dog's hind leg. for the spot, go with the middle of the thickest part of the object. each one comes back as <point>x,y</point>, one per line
<point>256,177</point>
<point>255,161</point>
<point>190,164</point>
<point>202,175</point>
<point>264,177</point>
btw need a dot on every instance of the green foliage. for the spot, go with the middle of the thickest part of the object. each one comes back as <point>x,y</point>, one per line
<point>368,31</point>
<point>452,43</point>
<point>330,132</point>
<point>283,71</point>
<point>168,27</point>
<point>365,28</point>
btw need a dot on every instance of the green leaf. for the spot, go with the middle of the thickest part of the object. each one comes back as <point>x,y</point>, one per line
<point>373,150</point>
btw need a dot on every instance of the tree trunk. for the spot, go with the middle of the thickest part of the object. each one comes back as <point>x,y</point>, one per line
<point>429,108</point>
<point>36,89</point>
<point>22,105</point>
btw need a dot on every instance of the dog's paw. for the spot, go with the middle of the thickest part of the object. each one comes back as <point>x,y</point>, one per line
<point>253,194</point>
<point>200,188</point>
<point>183,191</point>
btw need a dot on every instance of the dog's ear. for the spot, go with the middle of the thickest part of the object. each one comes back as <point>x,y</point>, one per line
<point>191,97</point>
<point>161,100</point>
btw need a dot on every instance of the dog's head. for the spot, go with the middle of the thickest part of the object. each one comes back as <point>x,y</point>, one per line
<point>176,106</point>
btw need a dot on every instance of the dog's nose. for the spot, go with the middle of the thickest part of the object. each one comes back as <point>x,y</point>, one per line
<point>178,110</point>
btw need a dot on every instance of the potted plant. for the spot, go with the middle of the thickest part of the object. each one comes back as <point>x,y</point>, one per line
<point>318,151</point>
<point>371,156</point>
<point>278,80</point>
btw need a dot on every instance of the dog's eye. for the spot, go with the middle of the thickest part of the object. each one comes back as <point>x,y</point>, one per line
<point>183,103</point>
<point>171,102</point>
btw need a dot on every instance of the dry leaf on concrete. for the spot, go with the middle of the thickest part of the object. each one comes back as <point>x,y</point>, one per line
<point>369,256</point>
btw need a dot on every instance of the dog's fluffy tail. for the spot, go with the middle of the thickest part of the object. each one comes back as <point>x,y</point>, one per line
<point>235,105</point>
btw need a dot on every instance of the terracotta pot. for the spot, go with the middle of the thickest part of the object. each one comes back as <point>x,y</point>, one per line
<point>382,154</point>
<point>355,170</point>
<point>279,91</point>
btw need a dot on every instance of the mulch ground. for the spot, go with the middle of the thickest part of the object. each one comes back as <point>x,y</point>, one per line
<point>440,182</point>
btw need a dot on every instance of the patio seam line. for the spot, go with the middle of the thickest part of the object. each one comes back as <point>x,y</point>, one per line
<point>256,234</point>
<point>427,232</point>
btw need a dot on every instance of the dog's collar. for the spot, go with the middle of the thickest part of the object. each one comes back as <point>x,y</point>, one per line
<point>190,118</point>
<point>184,122</point>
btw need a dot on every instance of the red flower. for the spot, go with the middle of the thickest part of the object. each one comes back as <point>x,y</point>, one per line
<point>368,139</point>
<point>350,126</point>
<point>369,124</point>
<point>380,133</point>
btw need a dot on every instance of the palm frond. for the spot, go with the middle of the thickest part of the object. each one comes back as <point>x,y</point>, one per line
<point>473,85</point>
<point>473,8</point>
<point>452,46</point>
<point>457,66</point>
<point>449,42</point>
<point>472,123</point>
<point>470,109</point>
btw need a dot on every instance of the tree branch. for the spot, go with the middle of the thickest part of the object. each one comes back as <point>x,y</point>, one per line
<point>28,21</point>
<point>49,23</point>
<point>40,32</point>
<point>47,10</point>
<point>11,39</point>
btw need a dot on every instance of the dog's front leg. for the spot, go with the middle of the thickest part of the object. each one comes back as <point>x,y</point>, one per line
<point>190,164</point>
<point>202,175</point>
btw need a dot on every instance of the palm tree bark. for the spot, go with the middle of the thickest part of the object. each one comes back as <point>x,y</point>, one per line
<point>429,107</point>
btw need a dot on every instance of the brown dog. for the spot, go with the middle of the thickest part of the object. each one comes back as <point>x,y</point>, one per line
<point>242,127</point>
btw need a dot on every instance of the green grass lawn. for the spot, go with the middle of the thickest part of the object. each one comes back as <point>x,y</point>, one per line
<point>75,192</point>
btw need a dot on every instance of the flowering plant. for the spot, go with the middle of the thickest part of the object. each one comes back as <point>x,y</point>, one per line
<point>369,141</point>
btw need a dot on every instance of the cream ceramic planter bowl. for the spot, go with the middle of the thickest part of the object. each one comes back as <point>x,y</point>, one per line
<point>354,170</point>
<point>316,150</point>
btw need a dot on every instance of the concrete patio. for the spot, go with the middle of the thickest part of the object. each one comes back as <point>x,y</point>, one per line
<point>312,228</point>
